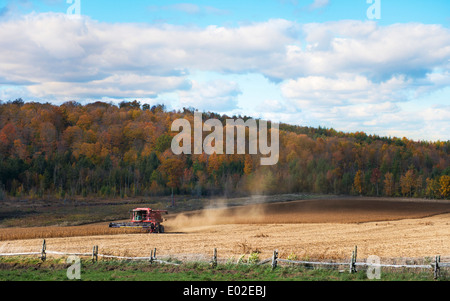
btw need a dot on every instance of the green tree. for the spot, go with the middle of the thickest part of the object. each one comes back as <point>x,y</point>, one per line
<point>163,142</point>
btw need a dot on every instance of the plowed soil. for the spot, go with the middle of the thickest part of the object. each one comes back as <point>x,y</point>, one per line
<point>319,229</point>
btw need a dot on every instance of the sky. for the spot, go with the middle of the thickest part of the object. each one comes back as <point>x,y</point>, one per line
<point>378,66</point>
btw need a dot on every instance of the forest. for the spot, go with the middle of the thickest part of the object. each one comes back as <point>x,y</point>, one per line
<point>106,150</point>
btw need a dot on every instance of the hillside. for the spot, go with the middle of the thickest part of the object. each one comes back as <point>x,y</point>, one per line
<point>103,150</point>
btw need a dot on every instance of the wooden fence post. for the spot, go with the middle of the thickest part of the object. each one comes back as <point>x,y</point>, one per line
<point>437,269</point>
<point>44,248</point>
<point>351,263</point>
<point>274,259</point>
<point>95,254</point>
<point>214,259</point>
<point>152,256</point>
<point>353,260</point>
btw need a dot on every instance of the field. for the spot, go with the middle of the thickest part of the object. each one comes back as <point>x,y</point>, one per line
<point>307,229</point>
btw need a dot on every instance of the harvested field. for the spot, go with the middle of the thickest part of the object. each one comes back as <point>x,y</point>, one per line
<point>55,231</point>
<point>321,229</point>
<point>357,210</point>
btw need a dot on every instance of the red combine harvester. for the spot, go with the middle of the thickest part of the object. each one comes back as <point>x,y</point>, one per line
<point>144,218</point>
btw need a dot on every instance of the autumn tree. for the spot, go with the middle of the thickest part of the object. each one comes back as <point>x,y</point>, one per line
<point>407,183</point>
<point>444,183</point>
<point>172,171</point>
<point>248,165</point>
<point>358,183</point>
<point>8,135</point>
<point>375,178</point>
<point>432,188</point>
<point>389,184</point>
<point>102,149</point>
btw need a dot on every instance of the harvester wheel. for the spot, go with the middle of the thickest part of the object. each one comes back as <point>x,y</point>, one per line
<point>161,229</point>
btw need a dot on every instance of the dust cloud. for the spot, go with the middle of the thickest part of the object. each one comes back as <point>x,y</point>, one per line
<point>298,212</point>
<point>218,214</point>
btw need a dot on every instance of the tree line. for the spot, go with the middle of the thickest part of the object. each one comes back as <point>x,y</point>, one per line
<point>106,150</point>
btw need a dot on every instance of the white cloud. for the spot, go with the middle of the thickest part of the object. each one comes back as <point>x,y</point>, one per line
<point>216,96</point>
<point>276,106</point>
<point>366,48</point>
<point>436,123</point>
<point>318,4</point>
<point>189,8</point>
<point>328,72</point>
<point>428,124</point>
<point>115,86</point>
<point>437,114</point>
<point>53,48</point>
<point>53,51</point>
<point>315,92</point>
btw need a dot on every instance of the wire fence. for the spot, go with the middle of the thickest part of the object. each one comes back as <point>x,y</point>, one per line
<point>435,265</point>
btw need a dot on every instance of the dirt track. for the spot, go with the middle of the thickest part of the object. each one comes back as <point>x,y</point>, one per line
<point>309,229</point>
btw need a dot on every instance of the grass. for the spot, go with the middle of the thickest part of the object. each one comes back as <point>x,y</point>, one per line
<point>26,269</point>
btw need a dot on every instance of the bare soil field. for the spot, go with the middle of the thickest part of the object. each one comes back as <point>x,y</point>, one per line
<point>308,229</point>
<point>339,210</point>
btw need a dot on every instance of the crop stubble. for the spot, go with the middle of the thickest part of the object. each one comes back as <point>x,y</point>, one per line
<point>318,229</point>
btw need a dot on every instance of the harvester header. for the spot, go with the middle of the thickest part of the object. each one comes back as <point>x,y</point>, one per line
<point>144,218</point>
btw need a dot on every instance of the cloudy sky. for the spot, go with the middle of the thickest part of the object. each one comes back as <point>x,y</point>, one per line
<point>352,65</point>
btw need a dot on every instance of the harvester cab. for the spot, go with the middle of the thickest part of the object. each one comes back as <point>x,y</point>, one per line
<point>144,218</point>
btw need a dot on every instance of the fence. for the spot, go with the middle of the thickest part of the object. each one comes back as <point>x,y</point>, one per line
<point>95,255</point>
<point>274,260</point>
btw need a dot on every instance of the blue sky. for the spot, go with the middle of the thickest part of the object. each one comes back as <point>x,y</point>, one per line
<point>306,62</point>
<point>223,13</point>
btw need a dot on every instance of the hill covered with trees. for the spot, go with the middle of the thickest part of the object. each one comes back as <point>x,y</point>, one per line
<point>104,150</point>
